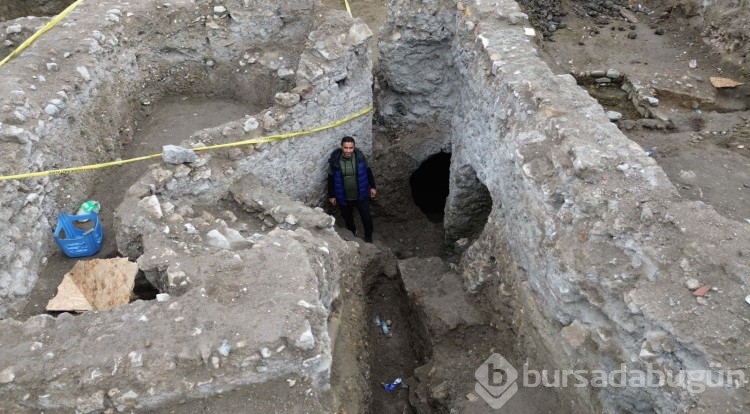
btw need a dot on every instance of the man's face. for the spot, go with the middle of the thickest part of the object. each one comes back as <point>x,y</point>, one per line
<point>348,148</point>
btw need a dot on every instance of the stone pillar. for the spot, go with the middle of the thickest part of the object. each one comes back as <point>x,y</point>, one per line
<point>468,204</point>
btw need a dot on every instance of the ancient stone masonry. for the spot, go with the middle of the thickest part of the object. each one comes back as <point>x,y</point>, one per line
<point>412,47</point>
<point>600,244</point>
<point>77,96</point>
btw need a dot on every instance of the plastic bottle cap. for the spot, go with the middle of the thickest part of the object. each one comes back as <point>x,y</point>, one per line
<point>90,206</point>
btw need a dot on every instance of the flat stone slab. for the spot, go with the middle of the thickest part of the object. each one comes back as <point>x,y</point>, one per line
<point>438,292</point>
<point>99,284</point>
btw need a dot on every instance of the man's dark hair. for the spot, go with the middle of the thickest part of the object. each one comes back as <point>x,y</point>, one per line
<point>347,139</point>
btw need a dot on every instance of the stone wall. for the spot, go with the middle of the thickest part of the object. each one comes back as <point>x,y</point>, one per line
<point>585,230</point>
<point>237,309</point>
<point>76,97</point>
<point>422,40</point>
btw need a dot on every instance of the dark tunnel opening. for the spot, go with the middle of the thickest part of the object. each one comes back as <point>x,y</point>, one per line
<point>429,186</point>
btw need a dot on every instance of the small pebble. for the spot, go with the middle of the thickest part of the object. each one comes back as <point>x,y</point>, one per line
<point>701,291</point>
<point>693,284</point>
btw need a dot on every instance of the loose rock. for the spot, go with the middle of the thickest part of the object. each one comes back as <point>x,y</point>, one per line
<point>174,154</point>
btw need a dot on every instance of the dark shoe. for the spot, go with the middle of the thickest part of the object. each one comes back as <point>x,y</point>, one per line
<point>368,240</point>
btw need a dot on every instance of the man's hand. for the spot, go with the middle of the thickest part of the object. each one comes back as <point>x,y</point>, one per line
<point>332,200</point>
<point>373,192</point>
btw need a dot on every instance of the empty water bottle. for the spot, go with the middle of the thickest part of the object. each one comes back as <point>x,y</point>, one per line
<point>382,324</point>
<point>89,206</point>
<point>393,385</point>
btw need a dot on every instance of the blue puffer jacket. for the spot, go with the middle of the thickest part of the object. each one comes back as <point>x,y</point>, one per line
<point>365,179</point>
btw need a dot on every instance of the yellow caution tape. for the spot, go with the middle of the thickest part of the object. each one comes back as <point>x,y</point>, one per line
<point>346,3</point>
<point>52,23</point>
<point>269,138</point>
<point>279,137</point>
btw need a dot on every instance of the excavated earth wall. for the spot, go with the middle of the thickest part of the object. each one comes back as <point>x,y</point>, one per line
<point>724,24</point>
<point>271,262</point>
<point>587,241</point>
<point>13,9</point>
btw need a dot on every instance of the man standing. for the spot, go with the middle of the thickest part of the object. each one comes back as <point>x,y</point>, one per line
<point>351,185</point>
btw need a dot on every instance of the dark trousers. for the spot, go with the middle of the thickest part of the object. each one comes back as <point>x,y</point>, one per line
<point>363,207</point>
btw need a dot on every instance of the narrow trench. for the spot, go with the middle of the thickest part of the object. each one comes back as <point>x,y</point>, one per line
<point>394,350</point>
<point>399,348</point>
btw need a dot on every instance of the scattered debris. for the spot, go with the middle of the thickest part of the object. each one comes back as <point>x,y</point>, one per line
<point>395,384</point>
<point>384,324</point>
<point>628,15</point>
<point>701,291</point>
<point>693,284</point>
<point>225,348</point>
<point>720,83</point>
<point>7,375</point>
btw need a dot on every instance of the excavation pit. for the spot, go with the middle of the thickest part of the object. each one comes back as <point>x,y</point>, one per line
<point>575,246</point>
<point>395,351</point>
<point>612,97</point>
<point>110,100</point>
